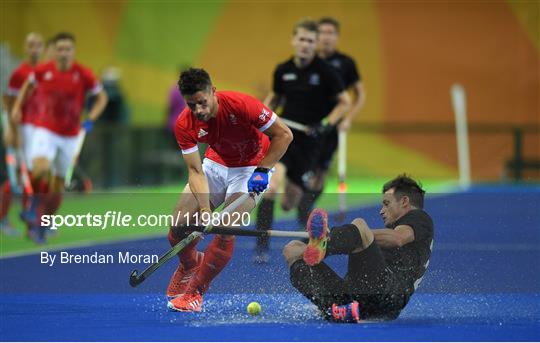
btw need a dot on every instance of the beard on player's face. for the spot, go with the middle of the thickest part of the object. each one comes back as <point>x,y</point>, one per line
<point>203,104</point>
<point>392,208</point>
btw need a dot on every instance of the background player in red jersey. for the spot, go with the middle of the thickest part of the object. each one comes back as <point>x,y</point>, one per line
<point>239,159</point>
<point>61,87</point>
<point>33,48</point>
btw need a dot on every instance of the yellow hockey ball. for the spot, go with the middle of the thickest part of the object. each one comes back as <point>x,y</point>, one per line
<point>254,308</point>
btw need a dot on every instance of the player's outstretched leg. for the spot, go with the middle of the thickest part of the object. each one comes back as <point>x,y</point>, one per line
<point>317,228</point>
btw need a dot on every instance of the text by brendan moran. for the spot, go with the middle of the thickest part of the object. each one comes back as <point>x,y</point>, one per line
<point>64,257</point>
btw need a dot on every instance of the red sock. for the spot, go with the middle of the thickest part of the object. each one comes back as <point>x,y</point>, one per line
<point>36,186</point>
<point>188,255</point>
<point>49,203</point>
<point>52,202</point>
<point>42,186</point>
<point>216,257</point>
<point>5,201</point>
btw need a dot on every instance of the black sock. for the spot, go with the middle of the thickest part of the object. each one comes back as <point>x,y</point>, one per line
<point>265,218</point>
<point>343,240</point>
<point>306,205</point>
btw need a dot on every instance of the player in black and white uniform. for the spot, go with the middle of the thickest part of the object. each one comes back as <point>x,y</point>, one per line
<point>329,29</point>
<point>385,266</point>
<point>311,94</point>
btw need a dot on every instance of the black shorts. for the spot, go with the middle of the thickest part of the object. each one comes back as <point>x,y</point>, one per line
<point>328,149</point>
<point>301,158</point>
<point>378,291</point>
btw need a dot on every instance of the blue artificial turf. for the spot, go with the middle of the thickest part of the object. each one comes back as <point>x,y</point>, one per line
<point>483,284</point>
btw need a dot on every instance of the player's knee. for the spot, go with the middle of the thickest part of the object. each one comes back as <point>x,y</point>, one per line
<point>318,185</point>
<point>291,197</point>
<point>286,205</point>
<point>293,251</point>
<point>58,185</point>
<point>365,232</point>
<point>40,166</point>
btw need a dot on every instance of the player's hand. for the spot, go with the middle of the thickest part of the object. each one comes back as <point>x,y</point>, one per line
<point>345,125</point>
<point>88,125</point>
<point>258,181</point>
<point>204,218</point>
<point>322,129</point>
<point>16,115</point>
<point>8,137</point>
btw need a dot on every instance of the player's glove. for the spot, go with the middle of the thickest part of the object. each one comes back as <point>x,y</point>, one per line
<point>88,125</point>
<point>259,180</point>
<point>321,129</point>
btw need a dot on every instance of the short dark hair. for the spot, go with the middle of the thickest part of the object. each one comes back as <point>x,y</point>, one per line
<point>330,20</point>
<point>194,80</point>
<point>306,24</point>
<point>404,185</point>
<point>64,35</point>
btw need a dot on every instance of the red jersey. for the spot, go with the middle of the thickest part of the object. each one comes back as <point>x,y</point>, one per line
<point>61,96</point>
<point>235,136</point>
<point>16,81</point>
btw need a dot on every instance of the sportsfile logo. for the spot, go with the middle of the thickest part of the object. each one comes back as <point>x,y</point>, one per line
<point>264,114</point>
<point>119,219</point>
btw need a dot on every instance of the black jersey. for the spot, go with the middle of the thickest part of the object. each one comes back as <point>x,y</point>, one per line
<point>409,262</point>
<point>310,93</point>
<point>346,68</point>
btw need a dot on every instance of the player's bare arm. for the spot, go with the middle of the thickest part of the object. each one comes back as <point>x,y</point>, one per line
<point>342,106</point>
<point>8,102</point>
<point>9,136</point>
<point>273,100</point>
<point>280,138</point>
<point>99,105</point>
<point>16,114</point>
<point>359,96</point>
<point>398,237</point>
<point>197,180</point>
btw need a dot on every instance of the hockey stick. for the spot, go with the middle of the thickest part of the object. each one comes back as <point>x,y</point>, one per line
<point>296,126</point>
<point>136,279</point>
<point>217,230</point>
<point>342,173</point>
<point>25,177</point>
<point>11,158</point>
<point>80,143</point>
